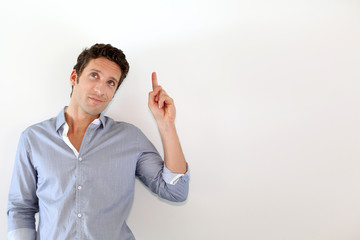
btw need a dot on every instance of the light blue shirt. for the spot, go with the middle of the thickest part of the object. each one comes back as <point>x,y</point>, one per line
<point>86,196</point>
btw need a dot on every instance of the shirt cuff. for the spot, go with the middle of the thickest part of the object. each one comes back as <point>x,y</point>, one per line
<point>22,233</point>
<point>171,177</point>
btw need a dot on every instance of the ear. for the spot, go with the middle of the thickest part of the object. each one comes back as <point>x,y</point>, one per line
<point>73,77</point>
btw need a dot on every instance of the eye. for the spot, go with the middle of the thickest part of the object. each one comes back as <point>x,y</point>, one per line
<point>112,83</point>
<point>94,75</point>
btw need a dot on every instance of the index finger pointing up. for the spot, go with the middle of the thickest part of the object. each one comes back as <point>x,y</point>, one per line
<point>154,80</point>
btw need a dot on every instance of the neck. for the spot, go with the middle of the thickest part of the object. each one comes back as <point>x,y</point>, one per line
<point>77,121</point>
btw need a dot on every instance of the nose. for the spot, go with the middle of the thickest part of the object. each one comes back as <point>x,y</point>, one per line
<point>99,88</point>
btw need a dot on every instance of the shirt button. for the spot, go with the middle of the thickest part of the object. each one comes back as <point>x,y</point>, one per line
<point>80,158</point>
<point>79,215</point>
<point>79,187</point>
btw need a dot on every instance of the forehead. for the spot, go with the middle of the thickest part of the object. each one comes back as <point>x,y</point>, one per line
<point>103,65</point>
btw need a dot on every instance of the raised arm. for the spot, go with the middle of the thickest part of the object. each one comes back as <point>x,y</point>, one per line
<point>163,109</point>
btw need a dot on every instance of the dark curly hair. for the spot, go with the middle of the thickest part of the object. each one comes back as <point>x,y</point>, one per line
<point>103,50</point>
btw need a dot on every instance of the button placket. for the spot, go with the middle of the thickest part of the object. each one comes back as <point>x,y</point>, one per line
<point>80,180</point>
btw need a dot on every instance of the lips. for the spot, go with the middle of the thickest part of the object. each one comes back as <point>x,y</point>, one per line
<point>96,100</point>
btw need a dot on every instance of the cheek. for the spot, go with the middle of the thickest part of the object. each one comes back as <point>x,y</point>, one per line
<point>110,93</point>
<point>90,87</point>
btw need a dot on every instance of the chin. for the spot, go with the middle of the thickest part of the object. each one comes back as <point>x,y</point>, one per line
<point>94,112</point>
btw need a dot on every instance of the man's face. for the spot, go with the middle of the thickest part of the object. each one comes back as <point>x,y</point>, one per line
<point>95,87</point>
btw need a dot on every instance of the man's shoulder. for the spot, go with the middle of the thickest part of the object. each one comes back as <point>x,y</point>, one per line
<point>123,128</point>
<point>120,125</point>
<point>41,127</point>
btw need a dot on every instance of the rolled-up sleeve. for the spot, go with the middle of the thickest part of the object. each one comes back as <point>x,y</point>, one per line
<point>22,234</point>
<point>151,170</point>
<point>23,202</point>
<point>171,177</point>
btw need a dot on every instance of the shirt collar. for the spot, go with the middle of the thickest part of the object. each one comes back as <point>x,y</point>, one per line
<point>60,119</point>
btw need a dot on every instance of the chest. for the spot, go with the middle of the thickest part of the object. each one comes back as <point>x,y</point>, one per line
<point>76,139</point>
<point>102,164</point>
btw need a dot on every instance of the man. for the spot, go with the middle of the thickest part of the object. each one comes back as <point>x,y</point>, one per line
<point>78,169</point>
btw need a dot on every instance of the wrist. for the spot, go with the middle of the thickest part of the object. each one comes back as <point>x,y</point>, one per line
<point>166,126</point>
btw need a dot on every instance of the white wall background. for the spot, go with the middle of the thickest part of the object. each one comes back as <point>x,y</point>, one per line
<point>267,94</point>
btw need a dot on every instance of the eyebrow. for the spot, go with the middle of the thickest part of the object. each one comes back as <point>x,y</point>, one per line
<point>98,71</point>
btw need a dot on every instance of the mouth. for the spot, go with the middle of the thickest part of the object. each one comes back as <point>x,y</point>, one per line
<point>95,100</point>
